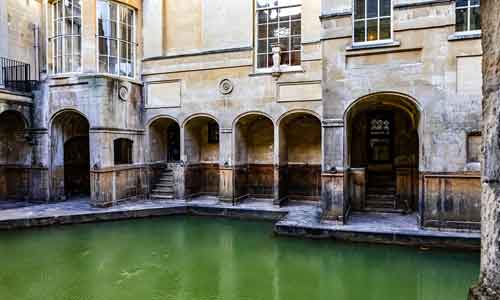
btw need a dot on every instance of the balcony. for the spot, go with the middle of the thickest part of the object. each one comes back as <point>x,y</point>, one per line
<point>16,76</point>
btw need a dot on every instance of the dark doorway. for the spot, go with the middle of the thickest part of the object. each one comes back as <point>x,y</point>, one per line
<point>174,142</point>
<point>77,167</point>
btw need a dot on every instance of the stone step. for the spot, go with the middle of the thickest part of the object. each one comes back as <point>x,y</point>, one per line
<point>164,185</point>
<point>382,190</point>
<point>156,196</point>
<point>163,180</point>
<point>161,192</point>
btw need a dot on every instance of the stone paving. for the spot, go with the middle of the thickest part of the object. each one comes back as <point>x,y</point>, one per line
<point>295,219</point>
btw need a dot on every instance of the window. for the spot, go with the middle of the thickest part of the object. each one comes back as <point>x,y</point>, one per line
<point>467,15</point>
<point>473,147</point>
<point>66,41</point>
<point>116,38</point>
<point>278,23</point>
<point>372,20</point>
<point>123,151</point>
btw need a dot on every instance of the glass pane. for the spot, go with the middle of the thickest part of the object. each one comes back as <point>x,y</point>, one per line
<point>296,28</point>
<point>77,45</point>
<point>262,61</point>
<point>130,17</point>
<point>271,43</point>
<point>113,11</point>
<point>295,60</point>
<point>273,15</point>
<point>284,30</point>
<point>59,27</point>
<point>296,43</point>
<point>273,30</point>
<point>103,46</point>
<point>68,61</point>
<point>475,19</point>
<point>372,34</point>
<point>67,26</point>
<point>101,27</point>
<point>285,44</point>
<point>461,19</point>
<point>77,26</point>
<point>262,46</point>
<point>359,31</point>
<point>124,32</point>
<point>103,64</point>
<point>359,11</point>
<point>102,10</point>
<point>76,63</point>
<point>461,3</point>
<point>284,14</point>
<point>372,9</point>
<point>123,15</point>
<point>112,32</point>
<point>262,16</point>
<point>129,34</point>
<point>68,8</point>
<point>262,31</point>
<point>385,8</point>
<point>132,69</point>
<point>59,9</point>
<point>124,50</point>
<point>285,58</point>
<point>475,2</point>
<point>269,60</point>
<point>289,2</point>
<point>113,65</point>
<point>124,70</point>
<point>77,8</point>
<point>59,68</point>
<point>385,28</point>
<point>68,46</point>
<point>262,3</point>
<point>113,48</point>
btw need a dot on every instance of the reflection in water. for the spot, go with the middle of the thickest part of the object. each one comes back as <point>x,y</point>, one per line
<point>200,258</point>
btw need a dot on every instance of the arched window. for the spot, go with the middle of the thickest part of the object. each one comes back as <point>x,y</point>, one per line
<point>123,151</point>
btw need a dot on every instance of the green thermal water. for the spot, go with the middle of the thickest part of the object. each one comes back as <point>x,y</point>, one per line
<point>207,259</point>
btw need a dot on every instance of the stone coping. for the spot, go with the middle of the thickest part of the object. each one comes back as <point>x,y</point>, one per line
<point>296,219</point>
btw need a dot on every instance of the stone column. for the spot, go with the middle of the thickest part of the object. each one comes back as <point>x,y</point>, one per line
<point>89,41</point>
<point>332,175</point>
<point>489,281</point>
<point>226,171</point>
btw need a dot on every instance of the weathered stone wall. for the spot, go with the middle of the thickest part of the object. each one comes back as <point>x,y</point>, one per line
<point>426,63</point>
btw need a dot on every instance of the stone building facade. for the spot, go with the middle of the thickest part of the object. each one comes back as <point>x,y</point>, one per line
<point>364,105</point>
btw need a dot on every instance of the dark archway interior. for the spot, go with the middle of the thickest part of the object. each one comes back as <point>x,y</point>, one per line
<point>76,166</point>
<point>384,155</point>
<point>254,157</point>
<point>70,154</point>
<point>201,147</point>
<point>300,157</point>
<point>165,141</point>
<point>15,156</point>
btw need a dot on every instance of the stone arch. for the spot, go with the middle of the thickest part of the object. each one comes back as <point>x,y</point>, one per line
<point>201,153</point>
<point>299,156</point>
<point>164,134</point>
<point>253,156</point>
<point>383,160</point>
<point>69,155</point>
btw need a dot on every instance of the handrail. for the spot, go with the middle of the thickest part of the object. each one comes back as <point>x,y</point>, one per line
<point>16,75</point>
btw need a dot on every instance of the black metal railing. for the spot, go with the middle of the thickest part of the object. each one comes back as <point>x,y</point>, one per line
<point>16,75</point>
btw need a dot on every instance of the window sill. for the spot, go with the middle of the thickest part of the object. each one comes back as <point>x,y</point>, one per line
<point>262,72</point>
<point>467,35</point>
<point>62,76</point>
<point>390,44</point>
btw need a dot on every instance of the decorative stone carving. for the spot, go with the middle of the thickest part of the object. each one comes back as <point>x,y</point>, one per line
<point>276,60</point>
<point>226,87</point>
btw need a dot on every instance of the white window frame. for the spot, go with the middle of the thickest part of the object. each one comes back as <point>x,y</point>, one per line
<point>284,68</point>
<point>133,41</point>
<point>468,7</point>
<point>62,36</point>
<point>366,19</point>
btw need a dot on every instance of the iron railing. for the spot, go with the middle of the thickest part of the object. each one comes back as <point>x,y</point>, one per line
<point>16,75</point>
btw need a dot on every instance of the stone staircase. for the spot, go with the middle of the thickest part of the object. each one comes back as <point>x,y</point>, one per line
<point>381,192</point>
<point>164,189</point>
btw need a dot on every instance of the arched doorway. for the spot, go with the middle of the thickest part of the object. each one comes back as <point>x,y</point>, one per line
<point>300,157</point>
<point>383,153</point>
<point>164,140</point>
<point>254,157</point>
<point>70,156</point>
<point>15,156</point>
<point>201,149</point>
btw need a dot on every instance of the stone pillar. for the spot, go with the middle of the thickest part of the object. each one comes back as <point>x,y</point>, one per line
<point>332,175</point>
<point>226,170</point>
<point>153,25</point>
<point>489,281</point>
<point>89,41</point>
